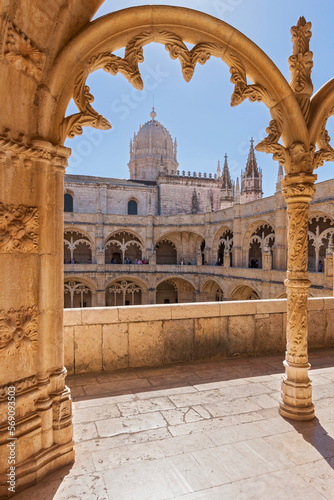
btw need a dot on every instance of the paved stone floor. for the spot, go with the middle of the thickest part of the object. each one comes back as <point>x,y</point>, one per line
<point>207,430</point>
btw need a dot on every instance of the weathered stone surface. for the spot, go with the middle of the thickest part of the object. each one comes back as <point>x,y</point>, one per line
<point>145,344</point>
<point>178,338</point>
<point>115,346</point>
<point>88,348</point>
<point>241,334</point>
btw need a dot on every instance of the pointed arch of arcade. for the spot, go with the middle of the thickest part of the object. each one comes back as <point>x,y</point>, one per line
<point>212,290</point>
<point>216,241</point>
<point>123,244</point>
<point>79,291</point>
<point>187,244</point>
<point>58,72</point>
<point>320,240</point>
<point>245,292</point>
<point>78,245</point>
<point>247,238</point>
<point>126,290</point>
<point>184,289</point>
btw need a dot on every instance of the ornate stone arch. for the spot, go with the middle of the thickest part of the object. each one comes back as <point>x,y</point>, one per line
<point>185,289</point>
<point>212,290</point>
<point>78,291</point>
<point>320,240</point>
<point>134,28</point>
<point>252,228</point>
<point>166,252</point>
<point>125,290</point>
<point>78,246</point>
<point>245,291</point>
<point>218,234</point>
<point>123,245</point>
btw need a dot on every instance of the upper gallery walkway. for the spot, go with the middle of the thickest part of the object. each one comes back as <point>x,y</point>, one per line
<point>206,430</point>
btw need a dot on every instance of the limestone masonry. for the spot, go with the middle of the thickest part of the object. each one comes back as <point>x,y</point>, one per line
<point>201,237</point>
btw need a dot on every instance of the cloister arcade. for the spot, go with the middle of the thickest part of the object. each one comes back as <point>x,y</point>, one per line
<point>125,248</point>
<point>41,70</point>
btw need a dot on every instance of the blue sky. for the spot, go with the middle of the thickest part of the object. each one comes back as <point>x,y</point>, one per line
<point>198,113</point>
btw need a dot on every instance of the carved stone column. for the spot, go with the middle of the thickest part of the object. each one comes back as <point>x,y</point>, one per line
<point>267,260</point>
<point>31,312</point>
<point>296,393</point>
<point>227,259</point>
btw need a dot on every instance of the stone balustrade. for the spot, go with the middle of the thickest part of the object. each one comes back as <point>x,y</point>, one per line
<point>104,339</point>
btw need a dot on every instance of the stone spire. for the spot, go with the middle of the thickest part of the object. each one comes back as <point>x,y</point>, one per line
<point>131,148</point>
<point>175,148</point>
<point>280,176</point>
<point>251,178</point>
<point>237,191</point>
<point>218,170</point>
<point>227,182</point>
<point>251,166</point>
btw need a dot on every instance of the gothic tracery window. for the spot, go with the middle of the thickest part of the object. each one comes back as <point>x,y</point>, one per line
<point>262,239</point>
<point>122,293</point>
<point>77,294</point>
<point>320,241</point>
<point>77,248</point>
<point>225,247</point>
<point>123,246</point>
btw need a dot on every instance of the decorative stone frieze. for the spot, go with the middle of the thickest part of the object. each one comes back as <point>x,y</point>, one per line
<point>301,65</point>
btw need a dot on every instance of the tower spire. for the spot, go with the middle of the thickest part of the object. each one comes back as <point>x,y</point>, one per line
<point>227,183</point>
<point>251,178</point>
<point>280,176</point>
<point>251,165</point>
<point>218,170</point>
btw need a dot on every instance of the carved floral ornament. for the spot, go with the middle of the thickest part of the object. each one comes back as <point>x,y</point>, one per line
<point>20,51</point>
<point>18,228</point>
<point>18,330</point>
<point>297,323</point>
<point>15,146</point>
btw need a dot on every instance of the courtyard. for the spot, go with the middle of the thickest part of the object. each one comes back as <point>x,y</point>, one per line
<point>206,430</point>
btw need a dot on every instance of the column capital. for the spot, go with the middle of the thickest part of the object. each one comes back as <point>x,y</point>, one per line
<point>37,149</point>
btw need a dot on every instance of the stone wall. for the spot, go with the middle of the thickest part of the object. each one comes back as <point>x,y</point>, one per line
<point>104,339</point>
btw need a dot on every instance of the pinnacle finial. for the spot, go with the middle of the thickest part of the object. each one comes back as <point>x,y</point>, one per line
<point>153,113</point>
<point>301,21</point>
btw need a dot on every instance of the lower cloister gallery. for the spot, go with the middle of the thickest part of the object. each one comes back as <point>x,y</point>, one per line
<point>245,265</point>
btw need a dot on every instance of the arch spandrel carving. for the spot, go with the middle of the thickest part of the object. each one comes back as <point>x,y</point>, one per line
<point>172,26</point>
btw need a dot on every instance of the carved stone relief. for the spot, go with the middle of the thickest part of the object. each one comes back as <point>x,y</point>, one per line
<point>22,53</point>
<point>18,228</point>
<point>301,64</point>
<point>297,325</point>
<point>200,53</point>
<point>18,329</point>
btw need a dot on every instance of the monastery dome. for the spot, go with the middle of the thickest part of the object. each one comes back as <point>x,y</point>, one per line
<point>153,139</point>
